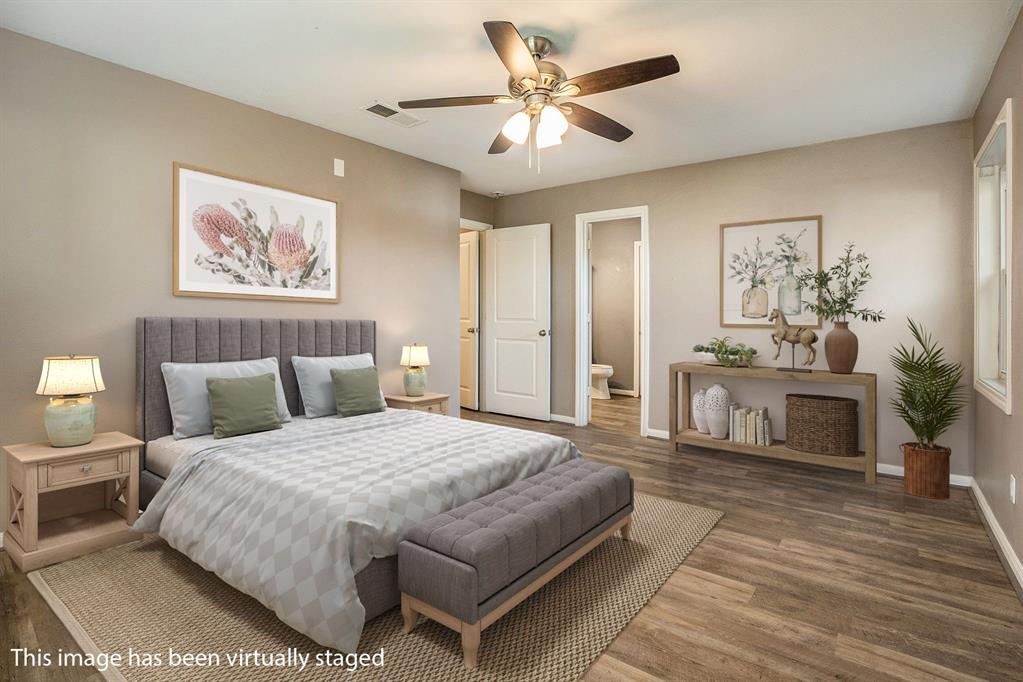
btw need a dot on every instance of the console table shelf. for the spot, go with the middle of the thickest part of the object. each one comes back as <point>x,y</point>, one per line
<point>866,461</point>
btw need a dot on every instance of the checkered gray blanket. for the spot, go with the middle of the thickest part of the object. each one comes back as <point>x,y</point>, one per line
<point>290,516</point>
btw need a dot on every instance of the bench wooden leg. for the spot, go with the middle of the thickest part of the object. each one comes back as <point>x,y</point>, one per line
<point>470,644</point>
<point>627,528</point>
<point>408,615</point>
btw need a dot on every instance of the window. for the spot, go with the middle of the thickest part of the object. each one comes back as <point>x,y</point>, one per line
<point>992,197</point>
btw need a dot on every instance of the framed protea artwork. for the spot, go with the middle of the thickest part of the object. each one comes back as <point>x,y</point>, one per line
<point>760,264</point>
<point>237,238</point>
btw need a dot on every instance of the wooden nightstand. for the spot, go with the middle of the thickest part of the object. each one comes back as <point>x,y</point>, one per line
<point>431,402</point>
<point>66,502</point>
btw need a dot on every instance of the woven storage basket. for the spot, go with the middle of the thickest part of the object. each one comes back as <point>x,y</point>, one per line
<point>824,424</point>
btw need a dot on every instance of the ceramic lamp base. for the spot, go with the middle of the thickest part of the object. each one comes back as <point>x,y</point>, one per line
<point>70,421</point>
<point>415,381</point>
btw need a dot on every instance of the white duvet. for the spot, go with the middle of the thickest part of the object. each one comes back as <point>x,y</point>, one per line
<point>290,516</point>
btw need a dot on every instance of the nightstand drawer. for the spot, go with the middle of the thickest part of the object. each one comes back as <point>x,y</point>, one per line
<point>436,408</point>
<point>83,469</point>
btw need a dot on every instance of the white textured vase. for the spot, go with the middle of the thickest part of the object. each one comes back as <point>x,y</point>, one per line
<point>715,407</point>
<point>699,414</point>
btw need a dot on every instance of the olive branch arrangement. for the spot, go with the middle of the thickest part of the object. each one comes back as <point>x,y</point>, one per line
<point>839,287</point>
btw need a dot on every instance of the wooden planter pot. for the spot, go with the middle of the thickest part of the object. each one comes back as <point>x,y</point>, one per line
<point>926,471</point>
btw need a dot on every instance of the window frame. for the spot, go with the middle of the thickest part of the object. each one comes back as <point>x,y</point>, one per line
<point>996,390</point>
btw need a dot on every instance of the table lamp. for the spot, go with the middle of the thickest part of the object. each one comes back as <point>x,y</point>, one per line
<point>414,358</point>
<point>70,418</point>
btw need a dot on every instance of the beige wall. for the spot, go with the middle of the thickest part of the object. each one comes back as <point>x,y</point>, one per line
<point>999,437</point>
<point>904,197</point>
<point>85,200</point>
<point>477,207</point>
<point>611,258</point>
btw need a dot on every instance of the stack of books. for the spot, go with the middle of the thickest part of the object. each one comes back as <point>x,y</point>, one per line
<point>748,425</point>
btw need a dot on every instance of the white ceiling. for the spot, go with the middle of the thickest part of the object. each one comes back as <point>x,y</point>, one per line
<point>755,75</point>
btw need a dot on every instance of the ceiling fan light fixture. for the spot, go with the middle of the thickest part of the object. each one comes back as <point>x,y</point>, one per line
<point>516,128</point>
<point>551,119</point>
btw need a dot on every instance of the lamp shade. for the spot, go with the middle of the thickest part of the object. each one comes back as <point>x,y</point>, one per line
<point>516,128</point>
<point>70,375</point>
<point>414,356</point>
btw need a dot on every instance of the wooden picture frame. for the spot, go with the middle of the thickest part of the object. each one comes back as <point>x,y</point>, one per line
<point>759,263</point>
<point>226,247</point>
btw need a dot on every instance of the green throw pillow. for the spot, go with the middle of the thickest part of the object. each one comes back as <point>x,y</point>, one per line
<point>246,405</point>
<point>357,391</point>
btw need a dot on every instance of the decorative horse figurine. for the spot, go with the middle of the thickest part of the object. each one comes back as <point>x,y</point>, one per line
<point>801,335</point>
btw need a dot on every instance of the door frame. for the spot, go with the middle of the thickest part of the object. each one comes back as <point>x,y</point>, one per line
<point>583,346</point>
<point>476,226</point>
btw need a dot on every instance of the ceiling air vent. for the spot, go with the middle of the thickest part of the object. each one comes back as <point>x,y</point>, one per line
<point>393,114</point>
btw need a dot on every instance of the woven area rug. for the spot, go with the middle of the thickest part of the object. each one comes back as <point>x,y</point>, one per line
<point>151,598</point>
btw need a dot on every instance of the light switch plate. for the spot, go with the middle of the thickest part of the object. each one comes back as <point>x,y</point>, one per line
<point>339,167</point>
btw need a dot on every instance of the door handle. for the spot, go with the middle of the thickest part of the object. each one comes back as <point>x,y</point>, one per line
<point>543,332</point>
<point>471,330</point>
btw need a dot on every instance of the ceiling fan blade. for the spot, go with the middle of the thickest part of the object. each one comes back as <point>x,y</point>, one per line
<point>500,145</point>
<point>598,124</point>
<point>512,50</point>
<point>624,75</point>
<point>449,101</point>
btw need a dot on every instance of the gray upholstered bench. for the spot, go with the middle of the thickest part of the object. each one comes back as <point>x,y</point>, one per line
<point>470,566</point>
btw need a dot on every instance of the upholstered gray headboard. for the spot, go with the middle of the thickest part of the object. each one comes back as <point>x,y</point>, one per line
<point>223,339</point>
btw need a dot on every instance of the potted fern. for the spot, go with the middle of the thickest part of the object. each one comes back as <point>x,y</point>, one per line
<point>930,398</point>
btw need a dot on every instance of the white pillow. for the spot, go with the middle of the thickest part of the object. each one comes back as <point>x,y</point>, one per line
<point>189,400</point>
<point>314,381</point>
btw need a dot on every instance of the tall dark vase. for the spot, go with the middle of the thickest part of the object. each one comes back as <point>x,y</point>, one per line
<point>841,348</point>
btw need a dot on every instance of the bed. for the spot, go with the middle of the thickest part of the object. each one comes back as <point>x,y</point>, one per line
<point>307,519</point>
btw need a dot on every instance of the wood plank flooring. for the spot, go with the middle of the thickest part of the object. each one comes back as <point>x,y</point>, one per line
<point>810,575</point>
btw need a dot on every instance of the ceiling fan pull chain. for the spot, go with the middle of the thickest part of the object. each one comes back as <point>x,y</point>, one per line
<point>531,141</point>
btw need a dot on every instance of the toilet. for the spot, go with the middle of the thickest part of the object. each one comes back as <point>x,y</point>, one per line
<point>600,375</point>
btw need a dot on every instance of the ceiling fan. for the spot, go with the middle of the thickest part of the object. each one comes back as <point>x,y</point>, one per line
<point>537,84</point>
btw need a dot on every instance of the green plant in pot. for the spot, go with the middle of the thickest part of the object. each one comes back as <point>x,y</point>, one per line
<point>725,353</point>
<point>930,398</point>
<point>838,288</point>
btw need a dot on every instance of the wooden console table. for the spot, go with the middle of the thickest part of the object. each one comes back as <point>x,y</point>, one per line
<point>865,461</point>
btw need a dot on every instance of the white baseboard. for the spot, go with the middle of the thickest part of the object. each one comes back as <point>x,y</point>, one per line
<point>661,434</point>
<point>1013,562</point>
<point>622,391</point>
<point>562,419</point>
<point>957,480</point>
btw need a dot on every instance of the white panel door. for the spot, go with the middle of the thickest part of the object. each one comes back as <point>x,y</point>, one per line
<point>517,321</point>
<point>468,323</point>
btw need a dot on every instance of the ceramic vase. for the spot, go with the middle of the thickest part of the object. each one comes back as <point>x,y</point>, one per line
<point>699,414</point>
<point>841,348</point>
<point>715,407</point>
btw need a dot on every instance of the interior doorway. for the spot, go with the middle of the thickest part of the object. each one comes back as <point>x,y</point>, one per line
<point>612,319</point>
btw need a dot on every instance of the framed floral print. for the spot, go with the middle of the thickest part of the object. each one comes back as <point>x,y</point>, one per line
<point>760,261</point>
<point>237,238</point>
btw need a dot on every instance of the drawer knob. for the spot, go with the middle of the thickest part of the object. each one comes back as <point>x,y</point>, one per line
<point>86,468</point>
